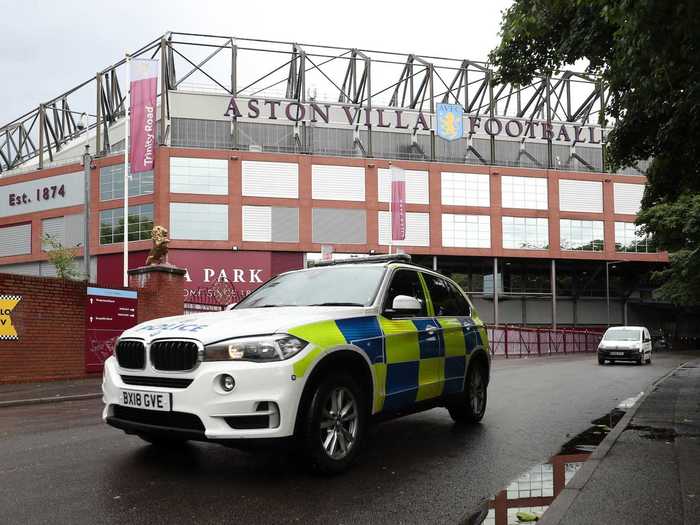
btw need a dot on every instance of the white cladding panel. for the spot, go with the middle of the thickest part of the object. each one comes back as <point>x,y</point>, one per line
<point>465,189</point>
<point>16,240</point>
<point>270,179</point>
<point>56,228</point>
<point>42,194</point>
<point>206,222</point>
<point>68,230</point>
<point>524,192</point>
<point>337,183</point>
<point>257,223</point>
<point>200,176</point>
<point>466,231</point>
<point>417,229</point>
<point>628,197</point>
<point>416,186</point>
<point>580,195</point>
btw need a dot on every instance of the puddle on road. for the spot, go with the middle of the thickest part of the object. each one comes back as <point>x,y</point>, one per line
<point>530,495</point>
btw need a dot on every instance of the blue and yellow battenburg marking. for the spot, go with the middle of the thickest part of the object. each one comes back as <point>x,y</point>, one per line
<point>412,360</point>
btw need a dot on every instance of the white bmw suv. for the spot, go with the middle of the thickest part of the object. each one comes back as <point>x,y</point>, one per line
<point>313,354</point>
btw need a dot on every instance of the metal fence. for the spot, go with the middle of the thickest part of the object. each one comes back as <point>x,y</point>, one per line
<point>517,341</point>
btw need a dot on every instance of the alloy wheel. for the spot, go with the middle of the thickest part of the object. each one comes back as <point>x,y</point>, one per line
<point>477,391</point>
<point>339,423</point>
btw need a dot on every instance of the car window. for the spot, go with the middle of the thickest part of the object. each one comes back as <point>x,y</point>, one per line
<point>347,285</point>
<point>622,334</point>
<point>406,282</point>
<point>446,298</point>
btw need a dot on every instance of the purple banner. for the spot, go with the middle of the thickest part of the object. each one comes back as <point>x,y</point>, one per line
<point>398,204</point>
<point>143,126</point>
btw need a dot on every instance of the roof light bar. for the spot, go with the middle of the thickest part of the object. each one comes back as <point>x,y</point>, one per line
<point>397,257</point>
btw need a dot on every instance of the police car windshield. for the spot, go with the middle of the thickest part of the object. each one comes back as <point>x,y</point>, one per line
<point>326,286</point>
<point>622,335</point>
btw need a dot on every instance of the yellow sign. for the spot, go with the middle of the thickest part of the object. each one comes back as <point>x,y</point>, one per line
<point>7,304</point>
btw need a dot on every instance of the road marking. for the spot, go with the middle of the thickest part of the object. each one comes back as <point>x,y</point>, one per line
<point>630,401</point>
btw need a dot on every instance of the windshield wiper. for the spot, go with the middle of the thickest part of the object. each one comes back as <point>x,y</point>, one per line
<point>272,305</point>
<point>337,304</point>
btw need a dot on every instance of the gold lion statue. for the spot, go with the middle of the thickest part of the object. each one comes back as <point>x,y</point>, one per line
<point>159,251</point>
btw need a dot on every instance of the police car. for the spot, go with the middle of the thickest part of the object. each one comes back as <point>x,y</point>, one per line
<point>312,356</point>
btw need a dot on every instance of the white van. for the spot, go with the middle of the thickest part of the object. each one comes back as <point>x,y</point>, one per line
<point>625,343</point>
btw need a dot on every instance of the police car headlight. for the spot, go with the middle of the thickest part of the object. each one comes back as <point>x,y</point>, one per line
<point>260,348</point>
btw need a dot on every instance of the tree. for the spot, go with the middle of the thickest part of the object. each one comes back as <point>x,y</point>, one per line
<point>648,54</point>
<point>62,258</point>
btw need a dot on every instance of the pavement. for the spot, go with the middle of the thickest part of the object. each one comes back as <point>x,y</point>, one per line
<point>49,391</point>
<point>59,463</point>
<point>646,470</point>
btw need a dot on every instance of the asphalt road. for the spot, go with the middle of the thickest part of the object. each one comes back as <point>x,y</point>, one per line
<point>60,464</point>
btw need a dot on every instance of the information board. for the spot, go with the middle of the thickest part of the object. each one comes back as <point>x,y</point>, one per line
<point>108,313</point>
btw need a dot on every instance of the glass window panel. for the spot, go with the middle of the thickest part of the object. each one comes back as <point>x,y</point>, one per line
<point>628,238</point>
<point>524,192</point>
<point>525,233</point>
<point>466,231</point>
<point>581,235</point>
<point>140,224</point>
<point>465,189</point>
<point>112,183</point>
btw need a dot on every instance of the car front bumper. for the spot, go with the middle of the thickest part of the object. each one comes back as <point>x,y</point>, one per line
<point>620,355</point>
<point>262,389</point>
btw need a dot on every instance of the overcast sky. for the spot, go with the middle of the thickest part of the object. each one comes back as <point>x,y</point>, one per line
<point>49,47</point>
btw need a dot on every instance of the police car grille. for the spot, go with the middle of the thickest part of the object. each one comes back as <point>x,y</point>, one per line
<point>174,355</point>
<point>181,420</point>
<point>168,382</point>
<point>131,354</point>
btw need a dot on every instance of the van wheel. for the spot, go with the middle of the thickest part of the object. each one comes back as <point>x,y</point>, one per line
<point>470,406</point>
<point>334,424</point>
<point>601,361</point>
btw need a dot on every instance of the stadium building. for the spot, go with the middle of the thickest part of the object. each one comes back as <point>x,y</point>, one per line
<point>270,152</point>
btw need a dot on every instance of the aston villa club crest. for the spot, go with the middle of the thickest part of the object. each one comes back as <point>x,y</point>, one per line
<point>449,121</point>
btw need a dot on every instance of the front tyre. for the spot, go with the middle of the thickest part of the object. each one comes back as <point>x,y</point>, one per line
<point>470,406</point>
<point>334,424</point>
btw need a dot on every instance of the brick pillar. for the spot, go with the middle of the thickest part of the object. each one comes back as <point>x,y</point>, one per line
<point>160,290</point>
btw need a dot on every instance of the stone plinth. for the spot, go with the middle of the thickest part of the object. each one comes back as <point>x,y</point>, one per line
<point>160,290</point>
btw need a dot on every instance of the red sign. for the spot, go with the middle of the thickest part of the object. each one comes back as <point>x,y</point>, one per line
<point>398,204</point>
<point>215,277</point>
<point>143,92</point>
<point>224,277</point>
<point>108,314</point>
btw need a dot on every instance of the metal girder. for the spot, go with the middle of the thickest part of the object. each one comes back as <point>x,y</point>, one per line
<point>422,82</point>
<point>406,89</point>
<point>52,125</point>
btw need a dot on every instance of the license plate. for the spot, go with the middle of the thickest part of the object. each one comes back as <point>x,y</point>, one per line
<point>617,353</point>
<point>148,400</point>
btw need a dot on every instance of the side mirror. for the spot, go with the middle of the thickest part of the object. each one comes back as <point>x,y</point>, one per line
<point>405,305</point>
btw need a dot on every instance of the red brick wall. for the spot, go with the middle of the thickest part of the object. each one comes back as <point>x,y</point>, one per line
<point>50,322</point>
<point>159,290</point>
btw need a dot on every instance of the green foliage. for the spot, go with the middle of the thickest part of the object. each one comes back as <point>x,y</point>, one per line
<point>62,258</point>
<point>648,53</point>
